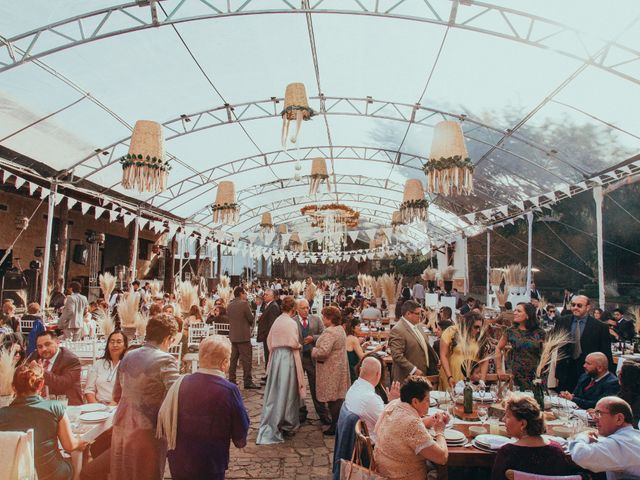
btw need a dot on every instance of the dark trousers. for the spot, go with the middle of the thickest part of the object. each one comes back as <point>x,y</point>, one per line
<point>334,408</point>
<point>244,352</point>
<point>310,369</point>
<point>266,353</point>
<point>98,468</point>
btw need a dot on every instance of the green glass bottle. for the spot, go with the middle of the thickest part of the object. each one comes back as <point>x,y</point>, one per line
<point>468,397</point>
<point>538,393</point>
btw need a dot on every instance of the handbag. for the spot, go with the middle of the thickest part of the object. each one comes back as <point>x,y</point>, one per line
<point>354,470</point>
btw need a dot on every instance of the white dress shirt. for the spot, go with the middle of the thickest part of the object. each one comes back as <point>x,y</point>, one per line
<point>618,454</point>
<point>101,379</point>
<point>363,400</point>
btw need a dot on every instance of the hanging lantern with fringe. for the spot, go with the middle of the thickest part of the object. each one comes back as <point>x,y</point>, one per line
<point>225,208</point>
<point>318,175</point>
<point>282,229</point>
<point>295,242</point>
<point>396,220</point>
<point>449,169</point>
<point>296,107</point>
<point>414,206</point>
<point>144,167</point>
<point>266,224</point>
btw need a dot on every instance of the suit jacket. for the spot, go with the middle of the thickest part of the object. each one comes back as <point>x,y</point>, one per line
<point>626,329</point>
<point>240,320</point>
<point>588,398</point>
<point>316,327</point>
<point>407,352</point>
<point>72,315</point>
<point>269,315</point>
<point>64,377</point>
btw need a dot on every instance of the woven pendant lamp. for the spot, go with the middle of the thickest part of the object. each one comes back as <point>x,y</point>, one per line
<point>414,206</point>
<point>449,169</point>
<point>318,175</point>
<point>282,229</point>
<point>266,224</point>
<point>396,220</point>
<point>296,107</point>
<point>225,208</point>
<point>144,168</point>
<point>295,242</point>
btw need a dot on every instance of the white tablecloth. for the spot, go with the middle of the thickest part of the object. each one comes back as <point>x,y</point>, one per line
<point>88,432</point>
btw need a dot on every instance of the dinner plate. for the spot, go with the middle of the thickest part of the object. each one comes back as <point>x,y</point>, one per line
<point>93,407</point>
<point>454,436</point>
<point>483,397</point>
<point>94,417</point>
<point>493,442</point>
<point>481,447</point>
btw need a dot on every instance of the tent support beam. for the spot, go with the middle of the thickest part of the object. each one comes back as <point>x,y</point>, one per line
<point>598,197</point>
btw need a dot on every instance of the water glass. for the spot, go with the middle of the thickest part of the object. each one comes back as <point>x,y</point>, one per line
<point>483,414</point>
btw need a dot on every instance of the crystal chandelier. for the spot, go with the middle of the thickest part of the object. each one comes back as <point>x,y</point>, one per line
<point>333,233</point>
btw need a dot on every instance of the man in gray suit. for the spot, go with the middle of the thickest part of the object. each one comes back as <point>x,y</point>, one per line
<point>310,328</point>
<point>240,329</point>
<point>410,349</point>
<point>72,317</point>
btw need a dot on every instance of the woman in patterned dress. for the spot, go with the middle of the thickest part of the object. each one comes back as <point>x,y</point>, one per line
<point>525,338</point>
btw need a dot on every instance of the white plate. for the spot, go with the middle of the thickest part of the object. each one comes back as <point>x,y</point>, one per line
<point>555,402</point>
<point>486,397</point>
<point>454,436</point>
<point>493,442</point>
<point>93,407</point>
<point>94,417</point>
<point>482,447</point>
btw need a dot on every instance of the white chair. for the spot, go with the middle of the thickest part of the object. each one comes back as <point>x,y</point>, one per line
<point>258,351</point>
<point>221,329</point>
<point>22,465</point>
<point>197,334</point>
<point>86,350</point>
<point>176,351</point>
<point>26,325</point>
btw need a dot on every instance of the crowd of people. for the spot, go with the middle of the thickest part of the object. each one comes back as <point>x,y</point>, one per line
<point>190,420</point>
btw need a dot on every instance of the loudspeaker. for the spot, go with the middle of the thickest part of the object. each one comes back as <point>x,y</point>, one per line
<point>80,254</point>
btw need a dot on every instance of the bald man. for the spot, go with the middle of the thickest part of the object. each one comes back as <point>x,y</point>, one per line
<point>592,336</point>
<point>362,398</point>
<point>597,382</point>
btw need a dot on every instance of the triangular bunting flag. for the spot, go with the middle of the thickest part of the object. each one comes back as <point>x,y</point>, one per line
<point>519,204</point>
<point>71,202</point>
<point>535,200</point>
<point>84,207</point>
<point>19,182</point>
<point>236,237</point>
<point>126,218</point>
<point>113,215</point>
<point>353,235</point>
<point>98,212</point>
<point>173,227</point>
<point>142,222</point>
<point>285,238</point>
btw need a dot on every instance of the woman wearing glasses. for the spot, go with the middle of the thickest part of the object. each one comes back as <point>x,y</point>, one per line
<point>102,376</point>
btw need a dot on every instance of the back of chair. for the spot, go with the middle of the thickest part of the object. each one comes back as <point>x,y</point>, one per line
<point>197,334</point>
<point>434,380</point>
<point>504,380</point>
<point>26,325</point>
<point>221,328</point>
<point>363,444</point>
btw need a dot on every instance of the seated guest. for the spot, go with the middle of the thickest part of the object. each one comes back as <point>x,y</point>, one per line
<point>61,367</point>
<point>48,419</point>
<point>354,348</point>
<point>615,449</point>
<point>403,441</point>
<point>370,312</point>
<point>362,398</point>
<point>8,318</point>
<point>33,314</point>
<point>531,453</point>
<point>624,328</point>
<point>380,389</point>
<point>630,387</point>
<point>595,383</point>
<point>101,378</point>
<point>201,414</point>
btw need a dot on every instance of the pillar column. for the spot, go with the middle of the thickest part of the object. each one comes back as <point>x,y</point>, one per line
<point>47,246</point>
<point>529,252</point>
<point>598,197</point>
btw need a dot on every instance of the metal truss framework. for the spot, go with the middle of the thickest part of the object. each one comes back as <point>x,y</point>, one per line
<point>508,24</point>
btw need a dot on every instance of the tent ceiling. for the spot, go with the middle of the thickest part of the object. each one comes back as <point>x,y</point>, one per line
<point>383,73</point>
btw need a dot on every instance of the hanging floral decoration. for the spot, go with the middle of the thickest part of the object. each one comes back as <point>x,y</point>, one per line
<point>225,209</point>
<point>414,206</point>
<point>340,213</point>
<point>144,168</point>
<point>296,107</point>
<point>449,169</point>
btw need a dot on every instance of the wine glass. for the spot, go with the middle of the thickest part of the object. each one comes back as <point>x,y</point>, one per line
<point>493,389</point>
<point>483,414</point>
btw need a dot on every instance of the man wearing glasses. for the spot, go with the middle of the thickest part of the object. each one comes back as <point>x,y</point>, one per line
<point>409,345</point>
<point>615,449</point>
<point>588,335</point>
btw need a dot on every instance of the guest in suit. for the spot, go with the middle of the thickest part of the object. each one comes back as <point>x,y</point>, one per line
<point>624,328</point>
<point>72,316</point>
<point>270,312</point>
<point>466,308</point>
<point>240,329</point>
<point>310,328</point>
<point>61,367</point>
<point>630,387</point>
<point>409,345</point>
<point>597,382</point>
<point>592,336</point>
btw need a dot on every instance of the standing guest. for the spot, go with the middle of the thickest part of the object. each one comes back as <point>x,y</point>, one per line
<point>505,318</point>
<point>597,313</point>
<point>624,328</point>
<point>194,316</point>
<point>441,326</point>
<point>530,453</point>
<point>615,449</point>
<point>144,376</point>
<point>330,353</point>
<point>630,387</point>
<point>451,353</point>
<point>61,367</point>
<point>102,376</point>
<point>595,383</point>
<point>525,338</point>
<point>310,328</point>
<point>418,292</point>
<point>72,317</point>
<point>567,298</point>
<point>588,334</point>
<point>259,303</point>
<point>409,345</point>
<point>201,414</point>
<point>549,317</point>
<point>354,348</point>
<point>240,329</point>
<point>34,314</point>
<point>270,312</point>
<point>9,316</point>
<point>285,380</point>
<point>48,420</point>
<point>534,292</point>
<point>403,439</point>
<point>310,291</point>
<point>469,304</point>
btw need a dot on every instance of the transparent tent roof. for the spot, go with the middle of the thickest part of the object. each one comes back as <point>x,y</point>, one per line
<point>529,86</point>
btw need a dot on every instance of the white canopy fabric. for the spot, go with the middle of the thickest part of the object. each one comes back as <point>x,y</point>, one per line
<point>75,80</point>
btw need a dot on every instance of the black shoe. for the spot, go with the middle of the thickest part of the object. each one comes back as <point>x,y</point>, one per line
<point>288,434</point>
<point>252,386</point>
<point>325,421</point>
<point>329,432</point>
<point>264,379</point>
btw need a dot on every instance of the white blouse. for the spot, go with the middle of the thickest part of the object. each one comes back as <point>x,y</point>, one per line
<point>101,379</point>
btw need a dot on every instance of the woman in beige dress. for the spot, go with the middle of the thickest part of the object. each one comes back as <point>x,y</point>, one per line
<point>332,367</point>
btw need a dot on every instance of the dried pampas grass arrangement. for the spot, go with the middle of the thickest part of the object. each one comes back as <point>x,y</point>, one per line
<point>310,291</point>
<point>432,320</point>
<point>129,309</point>
<point>141,326</point>
<point>634,311</point>
<point>495,277</point>
<point>502,297</point>
<point>187,296</point>
<point>225,294</point>
<point>430,274</point>
<point>156,288</point>
<point>376,287</point>
<point>398,288</point>
<point>224,281</point>
<point>296,287</point>
<point>388,287</point>
<point>515,276</point>
<point>105,321</point>
<point>554,342</point>
<point>471,347</point>
<point>447,274</point>
<point>8,364</point>
<point>107,284</point>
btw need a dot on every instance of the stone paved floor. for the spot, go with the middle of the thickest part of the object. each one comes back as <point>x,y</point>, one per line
<point>305,456</point>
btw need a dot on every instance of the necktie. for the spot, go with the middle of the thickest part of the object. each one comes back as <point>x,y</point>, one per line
<point>304,323</point>
<point>577,348</point>
<point>423,344</point>
<point>593,382</point>
<point>46,365</point>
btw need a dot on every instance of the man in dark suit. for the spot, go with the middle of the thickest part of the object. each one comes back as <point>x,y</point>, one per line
<point>466,308</point>
<point>310,328</point>
<point>597,382</point>
<point>240,329</point>
<point>409,345</point>
<point>592,336</point>
<point>270,312</point>
<point>624,328</point>
<point>61,368</point>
